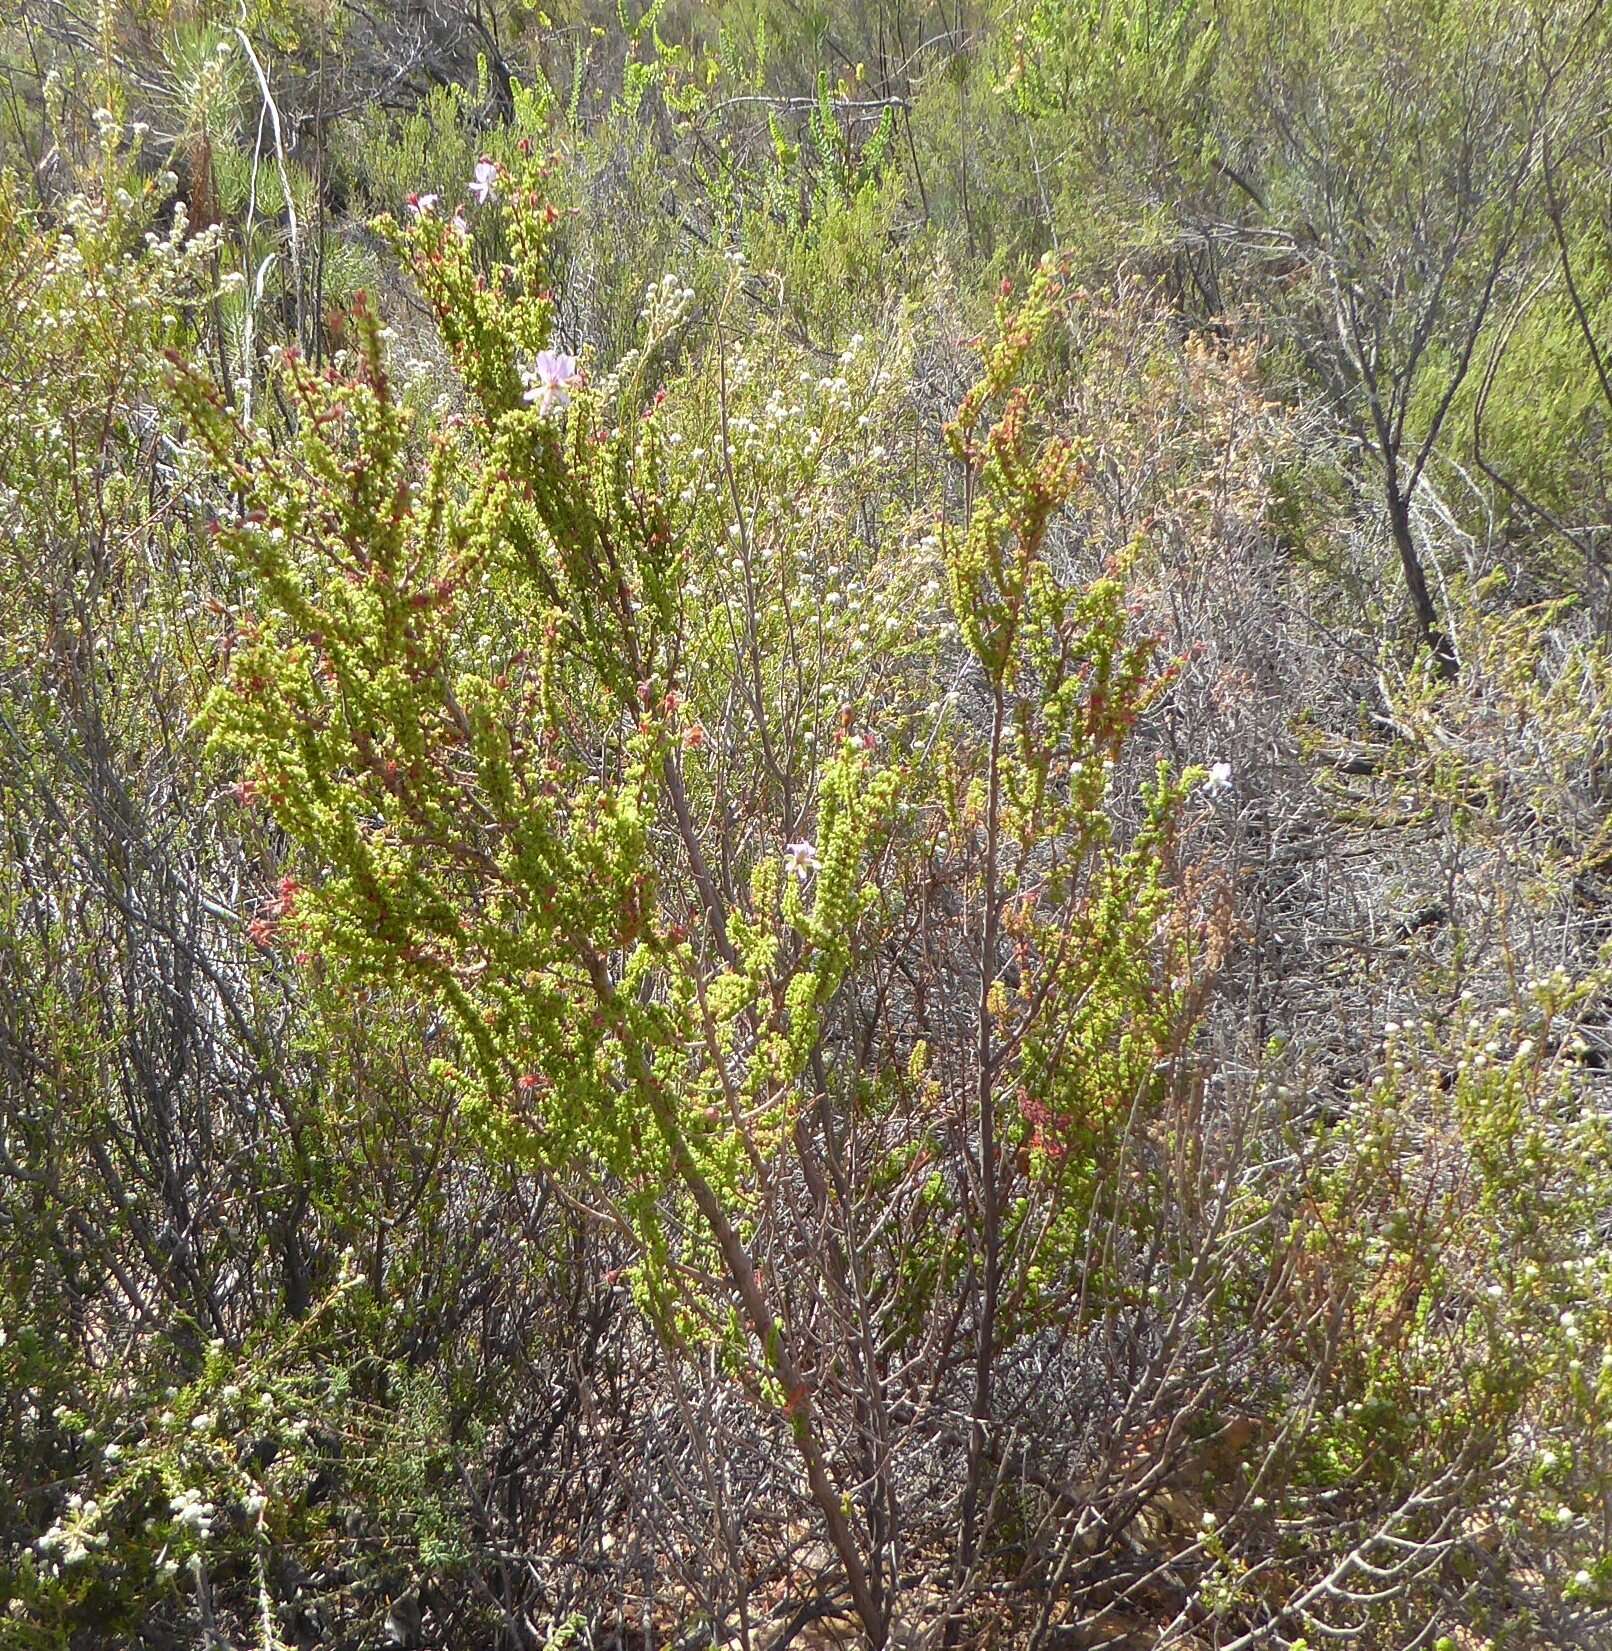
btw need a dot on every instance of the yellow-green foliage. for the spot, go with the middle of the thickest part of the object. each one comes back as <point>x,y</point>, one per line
<point>487,691</point>
<point>699,865</point>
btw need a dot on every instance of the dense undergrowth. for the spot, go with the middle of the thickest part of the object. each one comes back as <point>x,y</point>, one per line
<point>804,830</point>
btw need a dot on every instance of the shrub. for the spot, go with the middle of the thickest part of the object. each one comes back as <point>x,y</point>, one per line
<point>574,734</point>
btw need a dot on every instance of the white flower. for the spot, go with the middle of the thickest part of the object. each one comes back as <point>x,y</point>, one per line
<point>550,381</point>
<point>1219,781</point>
<point>194,1511</point>
<point>191,1510</point>
<point>417,206</point>
<point>800,859</point>
<point>483,182</point>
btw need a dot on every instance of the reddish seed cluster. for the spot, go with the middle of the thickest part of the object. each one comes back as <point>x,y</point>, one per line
<point>1044,1124</point>
<point>264,929</point>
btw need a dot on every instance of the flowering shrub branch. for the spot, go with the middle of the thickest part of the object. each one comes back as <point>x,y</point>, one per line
<point>643,999</point>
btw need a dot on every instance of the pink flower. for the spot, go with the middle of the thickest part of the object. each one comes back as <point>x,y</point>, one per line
<point>420,205</point>
<point>483,183</point>
<point>550,381</point>
<point>800,859</point>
